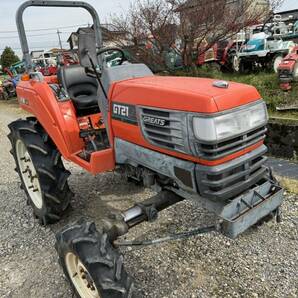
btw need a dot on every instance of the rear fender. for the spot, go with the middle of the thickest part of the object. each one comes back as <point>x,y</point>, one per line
<point>57,118</point>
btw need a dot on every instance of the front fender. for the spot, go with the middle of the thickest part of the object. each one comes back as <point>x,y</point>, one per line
<point>58,118</point>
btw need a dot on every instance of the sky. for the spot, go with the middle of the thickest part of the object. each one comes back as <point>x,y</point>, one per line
<point>40,18</point>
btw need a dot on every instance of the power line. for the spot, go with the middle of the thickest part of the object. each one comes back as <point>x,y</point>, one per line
<point>51,44</point>
<point>34,48</point>
<point>45,29</point>
<point>36,35</point>
<point>44,42</point>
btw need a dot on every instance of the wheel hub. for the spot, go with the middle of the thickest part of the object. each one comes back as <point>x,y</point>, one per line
<point>236,63</point>
<point>276,63</point>
<point>295,71</point>
<point>80,277</point>
<point>29,174</point>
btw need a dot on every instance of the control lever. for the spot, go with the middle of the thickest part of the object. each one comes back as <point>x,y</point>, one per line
<point>97,74</point>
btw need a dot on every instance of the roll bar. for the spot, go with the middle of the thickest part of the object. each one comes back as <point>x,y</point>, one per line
<point>52,3</point>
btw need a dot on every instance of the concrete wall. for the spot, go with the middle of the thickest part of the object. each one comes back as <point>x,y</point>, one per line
<point>282,139</point>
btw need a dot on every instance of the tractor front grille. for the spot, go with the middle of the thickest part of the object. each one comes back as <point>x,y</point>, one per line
<point>222,149</point>
<point>232,178</point>
<point>164,128</point>
<point>285,75</point>
<point>284,72</point>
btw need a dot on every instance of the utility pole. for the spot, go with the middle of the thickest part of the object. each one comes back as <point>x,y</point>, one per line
<point>60,42</point>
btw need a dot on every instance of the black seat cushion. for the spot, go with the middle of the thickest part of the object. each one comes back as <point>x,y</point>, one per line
<point>81,88</point>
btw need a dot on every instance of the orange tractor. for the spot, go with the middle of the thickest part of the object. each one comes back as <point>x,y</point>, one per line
<point>187,138</point>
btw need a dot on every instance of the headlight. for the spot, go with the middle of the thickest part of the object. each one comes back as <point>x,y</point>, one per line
<point>231,124</point>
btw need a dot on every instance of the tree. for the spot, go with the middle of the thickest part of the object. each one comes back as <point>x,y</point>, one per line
<point>8,57</point>
<point>151,29</point>
<point>204,23</point>
<point>153,26</point>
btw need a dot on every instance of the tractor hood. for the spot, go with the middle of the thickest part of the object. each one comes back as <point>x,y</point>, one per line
<point>183,93</point>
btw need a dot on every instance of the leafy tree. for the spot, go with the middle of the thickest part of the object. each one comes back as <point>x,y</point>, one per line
<point>8,57</point>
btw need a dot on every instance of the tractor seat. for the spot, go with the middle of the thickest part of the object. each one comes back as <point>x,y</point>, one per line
<point>81,89</point>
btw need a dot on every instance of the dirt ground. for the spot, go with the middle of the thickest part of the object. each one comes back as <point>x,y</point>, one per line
<point>263,262</point>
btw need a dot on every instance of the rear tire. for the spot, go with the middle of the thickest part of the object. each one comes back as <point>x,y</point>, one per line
<point>39,165</point>
<point>232,63</point>
<point>245,67</point>
<point>295,72</point>
<point>90,262</point>
<point>4,95</point>
<point>235,61</point>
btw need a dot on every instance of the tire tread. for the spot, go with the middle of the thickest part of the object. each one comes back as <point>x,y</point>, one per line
<point>49,167</point>
<point>105,266</point>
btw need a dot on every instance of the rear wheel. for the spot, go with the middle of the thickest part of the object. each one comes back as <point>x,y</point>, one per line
<point>232,63</point>
<point>245,67</point>
<point>4,95</point>
<point>235,63</point>
<point>295,72</point>
<point>90,262</point>
<point>39,165</point>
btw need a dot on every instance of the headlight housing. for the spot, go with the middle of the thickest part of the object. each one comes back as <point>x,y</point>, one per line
<point>230,124</point>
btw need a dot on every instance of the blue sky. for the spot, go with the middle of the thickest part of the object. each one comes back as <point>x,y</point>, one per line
<point>36,18</point>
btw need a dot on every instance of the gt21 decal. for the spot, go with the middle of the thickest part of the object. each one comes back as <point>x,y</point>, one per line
<point>121,110</point>
<point>124,112</point>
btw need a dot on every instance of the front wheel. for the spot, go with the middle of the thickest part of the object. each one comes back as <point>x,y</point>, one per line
<point>295,72</point>
<point>276,62</point>
<point>39,165</point>
<point>90,262</point>
<point>4,95</point>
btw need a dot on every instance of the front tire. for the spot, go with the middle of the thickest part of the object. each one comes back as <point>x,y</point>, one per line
<point>276,62</point>
<point>90,262</point>
<point>39,165</point>
<point>4,95</point>
<point>245,67</point>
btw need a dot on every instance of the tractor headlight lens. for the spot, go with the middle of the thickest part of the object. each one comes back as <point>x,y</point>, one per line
<point>231,124</point>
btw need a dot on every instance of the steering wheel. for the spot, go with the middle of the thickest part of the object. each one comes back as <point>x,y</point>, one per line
<point>114,49</point>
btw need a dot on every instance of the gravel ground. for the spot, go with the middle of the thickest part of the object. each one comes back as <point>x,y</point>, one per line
<point>263,262</point>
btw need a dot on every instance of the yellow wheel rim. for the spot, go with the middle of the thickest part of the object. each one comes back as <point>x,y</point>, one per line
<point>80,277</point>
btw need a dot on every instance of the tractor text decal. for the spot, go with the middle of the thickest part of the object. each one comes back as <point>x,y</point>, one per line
<point>154,120</point>
<point>120,110</point>
<point>124,112</point>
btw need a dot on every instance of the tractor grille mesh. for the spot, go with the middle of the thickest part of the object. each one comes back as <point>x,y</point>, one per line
<point>284,72</point>
<point>218,150</point>
<point>230,180</point>
<point>164,128</point>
